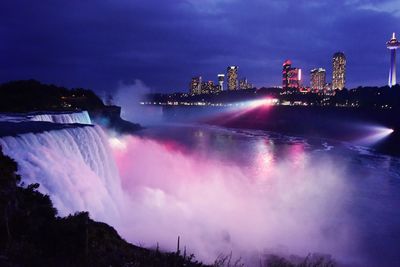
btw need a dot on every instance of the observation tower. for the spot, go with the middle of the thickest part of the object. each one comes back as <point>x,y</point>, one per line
<point>392,45</point>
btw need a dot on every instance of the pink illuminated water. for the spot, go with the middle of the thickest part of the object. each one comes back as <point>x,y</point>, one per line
<point>254,193</point>
<point>247,192</point>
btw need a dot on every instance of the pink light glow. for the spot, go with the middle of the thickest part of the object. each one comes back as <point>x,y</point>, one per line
<point>259,108</point>
<point>262,102</point>
<point>219,207</point>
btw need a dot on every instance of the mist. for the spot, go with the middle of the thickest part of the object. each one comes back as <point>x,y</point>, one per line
<point>129,96</point>
<point>153,191</point>
<point>283,207</point>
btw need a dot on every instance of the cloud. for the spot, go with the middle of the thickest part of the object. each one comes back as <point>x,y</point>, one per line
<point>166,43</point>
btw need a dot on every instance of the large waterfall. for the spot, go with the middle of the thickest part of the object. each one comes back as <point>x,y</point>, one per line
<point>152,190</point>
<point>73,165</point>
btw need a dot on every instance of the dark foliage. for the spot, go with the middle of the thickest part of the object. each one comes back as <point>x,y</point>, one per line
<point>31,95</point>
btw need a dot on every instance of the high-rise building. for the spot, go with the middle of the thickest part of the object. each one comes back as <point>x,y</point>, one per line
<point>195,85</point>
<point>207,87</point>
<point>232,77</point>
<point>291,77</point>
<point>243,84</point>
<point>392,45</point>
<point>287,65</point>
<point>221,78</point>
<point>318,79</point>
<point>339,71</point>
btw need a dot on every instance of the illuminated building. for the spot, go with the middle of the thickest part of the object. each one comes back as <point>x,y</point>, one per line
<point>232,73</point>
<point>195,85</point>
<point>204,88</point>
<point>221,78</point>
<point>244,84</point>
<point>318,79</point>
<point>392,45</point>
<point>339,71</point>
<point>291,77</point>
<point>207,87</point>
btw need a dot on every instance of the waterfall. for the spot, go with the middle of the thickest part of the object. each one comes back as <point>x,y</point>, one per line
<point>74,166</point>
<point>76,117</point>
<point>81,117</point>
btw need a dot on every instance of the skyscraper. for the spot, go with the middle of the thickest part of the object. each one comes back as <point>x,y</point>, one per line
<point>243,84</point>
<point>339,71</point>
<point>207,87</point>
<point>221,78</point>
<point>392,45</point>
<point>291,77</point>
<point>195,85</point>
<point>232,73</point>
<point>318,79</point>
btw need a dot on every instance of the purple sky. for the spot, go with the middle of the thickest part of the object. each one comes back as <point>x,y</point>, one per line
<point>101,44</point>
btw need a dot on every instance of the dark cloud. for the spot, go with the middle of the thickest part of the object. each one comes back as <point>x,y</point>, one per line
<point>98,44</point>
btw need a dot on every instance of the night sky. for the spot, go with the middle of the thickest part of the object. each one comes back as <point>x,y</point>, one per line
<point>101,44</point>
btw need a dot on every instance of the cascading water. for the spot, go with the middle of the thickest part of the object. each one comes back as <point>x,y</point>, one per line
<point>76,117</point>
<point>63,118</point>
<point>73,165</point>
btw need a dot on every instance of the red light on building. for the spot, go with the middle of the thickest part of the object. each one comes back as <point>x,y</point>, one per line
<point>291,77</point>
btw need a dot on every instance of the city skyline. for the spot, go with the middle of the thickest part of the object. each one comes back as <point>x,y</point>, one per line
<point>291,78</point>
<point>115,43</point>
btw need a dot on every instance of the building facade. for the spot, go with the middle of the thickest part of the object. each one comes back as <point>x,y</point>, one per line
<point>232,78</point>
<point>291,77</point>
<point>221,79</point>
<point>244,84</point>
<point>207,87</point>
<point>318,79</point>
<point>339,71</point>
<point>195,85</point>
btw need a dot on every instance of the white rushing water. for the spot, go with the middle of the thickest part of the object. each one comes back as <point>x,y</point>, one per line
<point>73,165</point>
<point>81,117</point>
<point>76,117</point>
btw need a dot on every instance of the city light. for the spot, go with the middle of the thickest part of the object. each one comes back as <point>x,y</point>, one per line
<point>262,102</point>
<point>240,109</point>
<point>339,71</point>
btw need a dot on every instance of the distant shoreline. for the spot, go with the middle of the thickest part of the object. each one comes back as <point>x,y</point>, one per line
<point>341,124</point>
